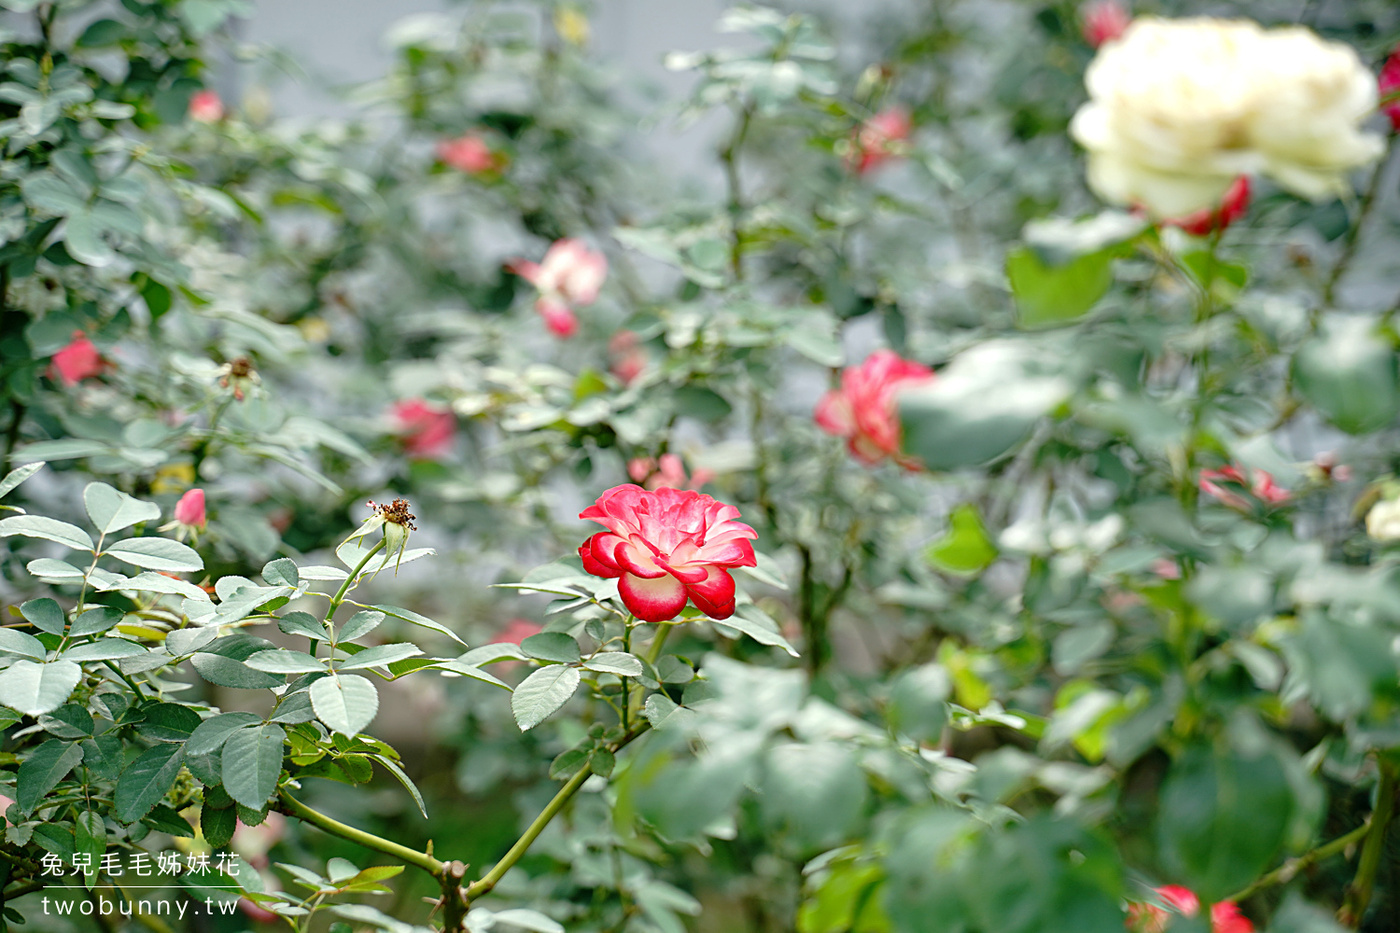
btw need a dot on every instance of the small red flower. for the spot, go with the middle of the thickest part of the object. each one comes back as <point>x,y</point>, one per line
<point>1234,204</point>
<point>78,361</point>
<point>190,509</point>
<point>863,409</point>
<point>206,107</point>
<point>1390,84</point>
<point>667,547</point>
<point>879,140</point>
<point>569,277</point>
<point>1225,917</point>
<point>1103,21</point>
<point>425,430</point>
<point>469,153</point>
<point>1217,483</point>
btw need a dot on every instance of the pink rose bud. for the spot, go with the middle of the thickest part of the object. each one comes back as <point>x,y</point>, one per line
<point>190,509</point>
<point>1103,21</point>
<point>670,471</point>
<point>570,276</point>
<point>863,410</point>
<point>1234,204</point>
<point>667,547</point>
<point>1390,86</point>
<point>425,430</point>
<point>205,107</point>
<point>880,139</point>
<point>1217,484</point>
<point>469,153</point>
<point>76,362</point>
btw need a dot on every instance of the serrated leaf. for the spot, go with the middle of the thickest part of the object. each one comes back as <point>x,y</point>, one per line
<point>211,734</point>
<point>284,661</point>
<point>218,826</point>
<point>255,753</point>
<point>379,656</point>
<point>542,693</point>
<point>52,570</point>
<point>281,572</point>
<point>13,641</point>
<point>95,621</point>
<point>38,688</point>
<point>18,475</point>
<point>168,722</point>
<point>226,672</point>
<point>42,770</point>
<point>45,614</point>
<point>414,618</point>
<point>304,624</point>
<point>50,529</point>
<point>551,646</point>
<point>150,582</point>
<point>359,625</point>
<point>112,510</point>
<point>750,621</point>
<point>615,662</point>
<point>104,649</point>
<point>403,779</point>
<point>146,780</point>
<point>156,554</point>
<point>345,704</point>
<point>90,837</point>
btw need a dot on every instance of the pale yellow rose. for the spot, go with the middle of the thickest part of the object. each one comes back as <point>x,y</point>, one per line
<point>1383,521</point>
<point>1180,108</point>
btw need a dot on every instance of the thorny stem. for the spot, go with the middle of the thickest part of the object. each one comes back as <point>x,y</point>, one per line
<point>1368,201</point>
<point>1290,869</point>
<point>340,594</point>
<point>1358,894</point>
<point>729,156</point>
<point>301,811</point>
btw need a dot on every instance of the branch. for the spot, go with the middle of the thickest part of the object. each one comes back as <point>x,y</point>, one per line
<point>1290,869</point>
<point>1368,201</point>
<point>301,811</point>
<point>1363,885</point>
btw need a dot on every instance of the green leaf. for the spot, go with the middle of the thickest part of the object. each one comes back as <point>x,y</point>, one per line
<point>614,662</point>
<point>345,704</point>
<point>379,656</point>
<point>211,734</point>
<point>284,661</point>
<point>551,646</point>
<point>38,688</point>
<point>156,554</point>
<point>567,763</point>
<point>1048,295</point>
<point>919,703</point>
<point>1348,373</point>
<point>45,614</point>
<point>13,641</point>
<point>359,625</point>
<point>90,837</point>
<point>105,649</point>
<point>1223,817</point>
<point>966,549</point>
<point>304,624</point>
<point>50,529</point>
<point>226,672</point>
<point>17,476</point>
<point>42,770</point>
<point>749,620</point>
<point>542,693</point>
<point>421,621</point>
<point>813,795</point>
<point>403,779</point>
<point>168,722</point>
<point>218,826</point>
<point>112,510</point>
<point>252,761</point>
<point>95,621</point>
<point>146,780</point>
<point>69,721</point>
<point>281,572</point>
<point>83,239</point>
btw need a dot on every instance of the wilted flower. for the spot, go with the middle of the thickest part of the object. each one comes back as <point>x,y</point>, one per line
<point>667,547</point>
<point>1383,520</point>
<point>650,474</point>
<point>239,375</point>
<point>1204,222</point>
<point>425,430</point>
<point>570,277</point>
<point>1103,21</point>
<point>1389,87</point>
<point>469,153</point>
<point>1225,917</point>
<point>863,410</point>
<point>1179,109</point>
<point>206,107</point>
<point>1218,483</point>
<point>396,521</point>
<point>77,361</point>
<point>880,139</point>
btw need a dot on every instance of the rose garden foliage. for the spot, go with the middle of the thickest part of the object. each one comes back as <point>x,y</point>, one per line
<point>998,534</point>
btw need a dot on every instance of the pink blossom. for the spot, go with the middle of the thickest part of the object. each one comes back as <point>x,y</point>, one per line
<point>1261,486</point>
<point>880,139</point>
<point>1234,204</point>
<point>77,361</point>
<point>425,430</point>
<point>206,107</point>
<point>650,474</point>
<point>863,409</point>
<point>569,277</point>
<point>1225,917</point>
<point>667,547</point>
<point>1166,568</point>
<point>1390,84</point>
<point>628,357</point>
<point>516,631</point>
<point>1103,21</point>
<point>469,153</point>
<point>189,510</point>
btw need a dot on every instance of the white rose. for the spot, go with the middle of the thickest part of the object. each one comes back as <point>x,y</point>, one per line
<point>1179,108</point>
<point>1383,521</point>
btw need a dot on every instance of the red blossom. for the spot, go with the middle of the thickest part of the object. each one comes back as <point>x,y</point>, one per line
<point>1225,917</point>
<point>628,357</point>
<point>425,430</point>
<point>190,509</point>
<point>879,139</point>
<point>1103,21</point>
<point>206,107</point>
<point>1217,483</point>
<point>77,361</point>
<point>1390,84</point>
<point>863,409</point>
<point>667,547</point>
<point>669,471</point>
<point>1234,204</point>
<point>569,277</point>
<point>469,153</point>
